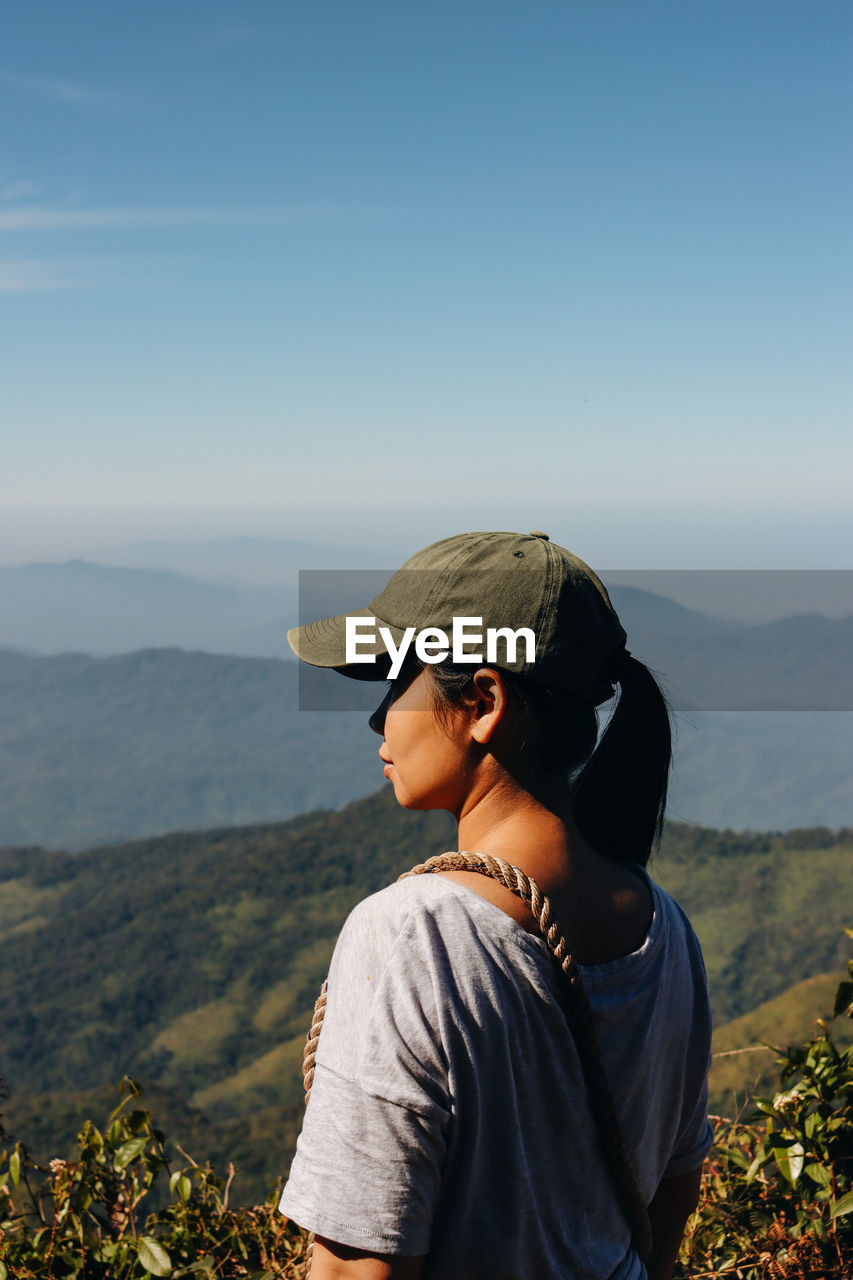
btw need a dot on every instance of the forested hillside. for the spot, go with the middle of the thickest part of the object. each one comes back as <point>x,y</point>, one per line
<point>94,750</point>
<point>746,1050</point>
<point>193,960</point>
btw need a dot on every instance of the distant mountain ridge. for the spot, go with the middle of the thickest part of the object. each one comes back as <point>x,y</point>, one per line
<point>179,733</point>
<point>94,750</point>
<point>79,606</point>
<point>710,663</point>
<point>240,561</point>
<point>647,612</point>
<point>100,749</point>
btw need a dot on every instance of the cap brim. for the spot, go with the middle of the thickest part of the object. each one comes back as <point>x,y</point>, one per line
<point>324,644</point>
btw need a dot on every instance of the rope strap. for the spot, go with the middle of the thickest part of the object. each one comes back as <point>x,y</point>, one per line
<point>580,1017</point>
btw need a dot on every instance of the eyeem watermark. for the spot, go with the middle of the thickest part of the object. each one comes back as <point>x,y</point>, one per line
<point>434,645</point>
<point>743,640</point>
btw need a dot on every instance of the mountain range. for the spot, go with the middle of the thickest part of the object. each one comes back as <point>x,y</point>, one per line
<point>125,741</point>
<point>78,606</point>
<point>709,663</point>
<point>97,749</point>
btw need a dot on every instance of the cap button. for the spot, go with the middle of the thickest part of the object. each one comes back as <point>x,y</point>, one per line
<point>537,533</point>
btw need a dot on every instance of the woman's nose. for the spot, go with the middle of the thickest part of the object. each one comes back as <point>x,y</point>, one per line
<point>377,718</point>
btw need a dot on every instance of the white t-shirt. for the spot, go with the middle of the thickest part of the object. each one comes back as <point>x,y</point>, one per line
<point>449,1115</point>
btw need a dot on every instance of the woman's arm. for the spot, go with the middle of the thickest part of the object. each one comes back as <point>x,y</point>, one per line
<point>675,1200</point>
<point>339,1262</point>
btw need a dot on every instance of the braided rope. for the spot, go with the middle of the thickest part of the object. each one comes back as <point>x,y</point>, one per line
<point>579,1013</point>
<point>309,1058</point>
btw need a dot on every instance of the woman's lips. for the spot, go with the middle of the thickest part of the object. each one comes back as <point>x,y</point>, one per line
<point>387,769</point>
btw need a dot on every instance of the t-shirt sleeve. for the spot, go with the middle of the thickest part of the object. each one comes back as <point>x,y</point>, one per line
<point>695,1140</point>
<point>695,1135</point>
<point>367,1168</point>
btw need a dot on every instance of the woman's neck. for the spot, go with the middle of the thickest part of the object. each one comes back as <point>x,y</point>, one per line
<point>603,907</point>
<point>538,835</point>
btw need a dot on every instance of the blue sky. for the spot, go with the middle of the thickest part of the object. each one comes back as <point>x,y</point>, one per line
<point>372,273</point>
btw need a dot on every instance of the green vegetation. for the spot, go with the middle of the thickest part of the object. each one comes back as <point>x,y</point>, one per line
<point>769,908</point>
<point>95,1216</point>
<point>746,1050</point>
<point>777,1196</point>
<point>191,962</point>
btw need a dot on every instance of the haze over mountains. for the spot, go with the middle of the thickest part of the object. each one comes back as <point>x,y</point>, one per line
<point>234,595</point>
<point>241,562</point>
<point>78,606</point>
<point>711,663</point>
<point>239,596</point>
<point>748,595</point>
<point>186,714</point>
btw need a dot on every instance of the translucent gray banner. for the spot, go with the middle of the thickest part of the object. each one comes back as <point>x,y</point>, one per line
<point>719,640</point>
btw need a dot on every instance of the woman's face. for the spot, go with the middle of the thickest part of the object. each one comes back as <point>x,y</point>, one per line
<point>426,758</point>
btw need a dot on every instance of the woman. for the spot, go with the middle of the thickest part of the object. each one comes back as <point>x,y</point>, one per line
<point>456,1129</point>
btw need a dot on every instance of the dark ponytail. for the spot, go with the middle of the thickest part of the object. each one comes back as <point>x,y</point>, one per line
<point>619,787</point>
<point>619,795</point>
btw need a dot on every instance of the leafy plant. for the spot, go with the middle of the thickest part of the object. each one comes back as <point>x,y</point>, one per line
<point>88,1217</point>
<point>778,1196</point>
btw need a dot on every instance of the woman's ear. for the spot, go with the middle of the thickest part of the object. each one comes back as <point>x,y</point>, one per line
<point>488,703</point>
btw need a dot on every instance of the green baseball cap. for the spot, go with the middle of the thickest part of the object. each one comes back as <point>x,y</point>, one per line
<point>503,580</point>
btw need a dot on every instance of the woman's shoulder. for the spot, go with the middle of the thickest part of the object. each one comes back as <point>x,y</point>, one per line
<point>676,929</point>
<point>426,904</point>
<point>670,940</point>
<point>425,915</point>
<point>400,905</point>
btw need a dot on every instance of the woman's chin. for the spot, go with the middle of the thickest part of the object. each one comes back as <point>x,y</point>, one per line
<point>406,801</point>
<point>417,801</point>
<point>405,798</point>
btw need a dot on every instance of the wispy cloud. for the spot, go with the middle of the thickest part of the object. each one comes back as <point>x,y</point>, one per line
<point>21,190</point>
<point>68,92</point>
<point>90,219</point>
<point>42,277</point>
